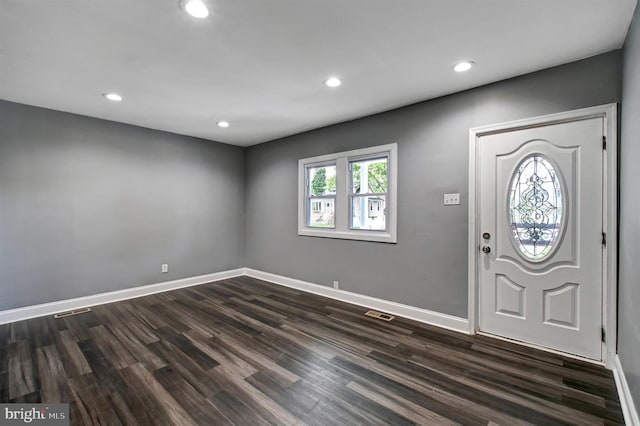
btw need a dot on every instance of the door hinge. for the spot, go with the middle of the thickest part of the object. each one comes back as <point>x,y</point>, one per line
<point>604,336</point>
<point>604,239</point>
<point>604,142</point>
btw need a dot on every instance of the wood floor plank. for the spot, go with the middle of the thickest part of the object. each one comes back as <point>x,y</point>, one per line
<point>443,401</point>
<point>496,397</point>
<point>122,409</point>
<point>22,374</point>
<point>101,367</point>
<point>405,408</point>
<point>297,403</point>
<point>4,362</point>
<point>209,346</point>
<point>184,309</point>
<point>527,381</point>
<point>106,342</point>
<point>188,368</point>
<point>189,349</point>
<point>260,403</point>
<point>246,352</point>
<point>330,387</point>
<point>89,400</point>
<point>257,359</point>
<point>235,410</point>
<point>74,362</point>
<point>184,393</point>
<point>53,385</point>
<point>136,323</point>
<point>160,402</point>
<point>138,349</point>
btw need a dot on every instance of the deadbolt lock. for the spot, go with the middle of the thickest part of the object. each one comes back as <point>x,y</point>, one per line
<point>486,249</point>
<point>486,235</point>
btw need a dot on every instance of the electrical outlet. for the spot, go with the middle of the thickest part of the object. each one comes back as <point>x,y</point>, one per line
<point>165,268</point>
<point>451,199</point>
<point>336,285</point>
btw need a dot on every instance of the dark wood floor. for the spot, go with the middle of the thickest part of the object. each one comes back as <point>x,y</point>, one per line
<point>246,352</point>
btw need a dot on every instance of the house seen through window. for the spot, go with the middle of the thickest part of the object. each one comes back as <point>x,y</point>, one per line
<point>368,192</point>
<point>321,194</point>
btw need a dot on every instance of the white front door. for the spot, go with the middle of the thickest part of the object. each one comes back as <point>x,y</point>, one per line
<point>541,234</point>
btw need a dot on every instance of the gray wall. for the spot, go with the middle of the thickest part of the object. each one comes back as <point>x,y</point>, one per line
<point>428,266</point>
<point>89,206</point>
<point>629,278</point>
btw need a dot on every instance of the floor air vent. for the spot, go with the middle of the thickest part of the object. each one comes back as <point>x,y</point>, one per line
<point>73,312</point>
<point>379,315</point>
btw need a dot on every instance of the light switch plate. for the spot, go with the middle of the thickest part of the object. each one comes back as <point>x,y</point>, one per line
<point>451,199</point>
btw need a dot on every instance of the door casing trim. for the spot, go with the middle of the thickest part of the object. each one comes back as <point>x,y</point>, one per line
<point>610,212</point>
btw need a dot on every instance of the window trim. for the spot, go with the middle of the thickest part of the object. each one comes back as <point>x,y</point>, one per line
<point>342,210</point>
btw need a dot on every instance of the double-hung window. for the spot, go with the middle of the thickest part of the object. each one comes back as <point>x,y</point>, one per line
<point>349,195</point>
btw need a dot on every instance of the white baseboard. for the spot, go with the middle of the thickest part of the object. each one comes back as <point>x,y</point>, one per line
<point>51,308</point>
<point>626,400</point>
<point>422,315</point>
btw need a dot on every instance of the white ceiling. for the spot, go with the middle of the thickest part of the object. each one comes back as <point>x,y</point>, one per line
<point>260,64</point>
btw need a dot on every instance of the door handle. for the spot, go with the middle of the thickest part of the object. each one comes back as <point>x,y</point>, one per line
<point>486,249</point>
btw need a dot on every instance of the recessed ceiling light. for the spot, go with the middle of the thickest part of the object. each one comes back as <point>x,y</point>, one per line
<point>463,66</point>
<point>223,124</point>
<point>196,8</point>
<point>112,97</point>
<point>333,82</point>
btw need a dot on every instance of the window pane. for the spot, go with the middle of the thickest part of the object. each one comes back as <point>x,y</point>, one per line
<point>368,212</point>
<point>535,207</point>
<point>369,176</point>
<point>321,180</point>
<point>321,212</point>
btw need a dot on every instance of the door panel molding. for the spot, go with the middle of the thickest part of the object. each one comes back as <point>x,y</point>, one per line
<point>609,114</point>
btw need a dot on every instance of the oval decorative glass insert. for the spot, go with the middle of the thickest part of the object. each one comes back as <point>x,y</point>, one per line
<point>535,207</point>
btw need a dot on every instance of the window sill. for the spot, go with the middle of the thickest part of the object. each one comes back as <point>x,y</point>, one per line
<point>371,236</point>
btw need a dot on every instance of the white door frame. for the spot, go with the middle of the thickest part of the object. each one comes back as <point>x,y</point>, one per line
<point>610,211</point>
